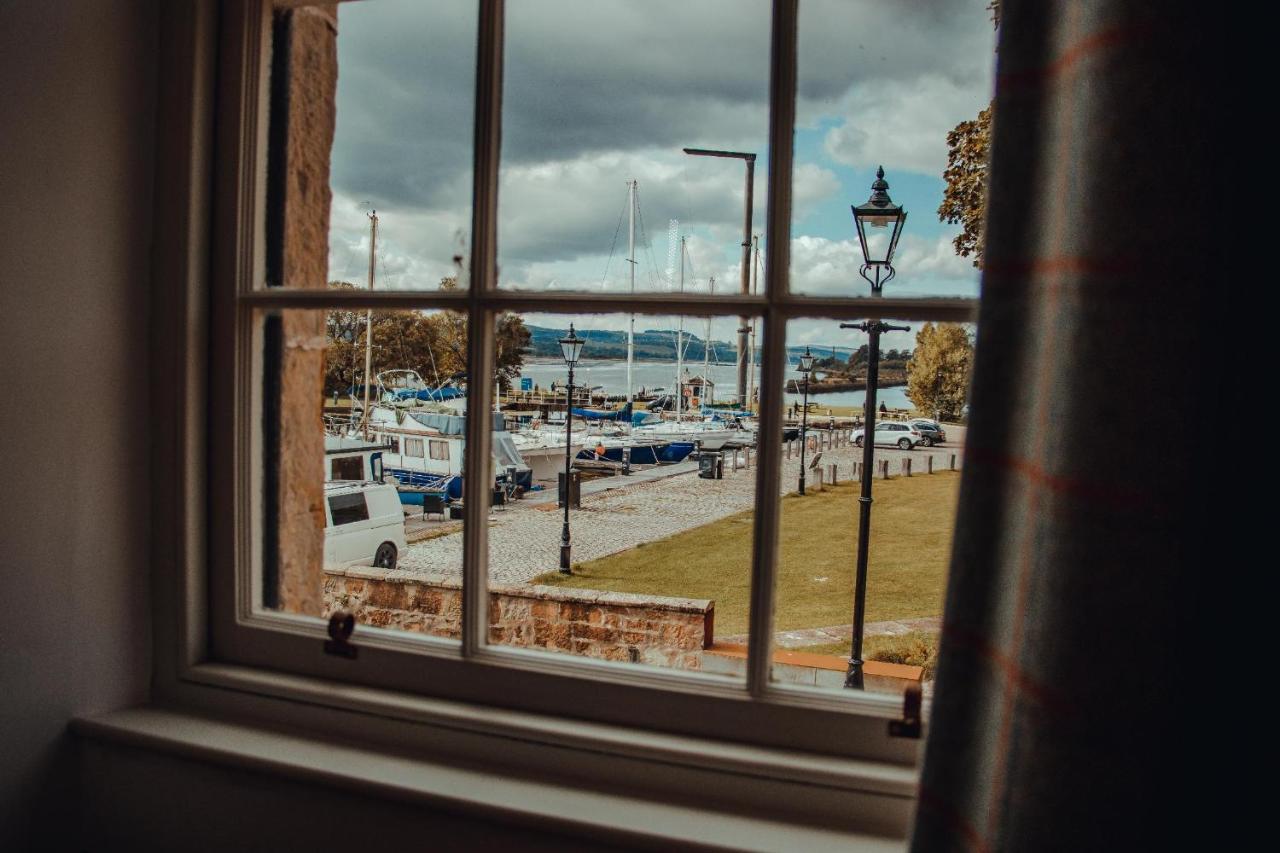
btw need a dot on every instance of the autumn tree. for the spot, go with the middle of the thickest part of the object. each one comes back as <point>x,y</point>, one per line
<point>964,198</point>
<point>434,344</point>
<point>939,369</point>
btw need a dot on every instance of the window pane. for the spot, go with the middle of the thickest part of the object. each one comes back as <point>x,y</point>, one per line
<point>883,84</point>
<point>375,120</point>
<point>922,370</point>
<point>664,464</point>
<point>351,500</point>
<point>602,97</point>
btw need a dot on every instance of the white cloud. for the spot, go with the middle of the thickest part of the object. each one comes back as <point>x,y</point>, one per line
<point>822,267</point>
<point>902,125</point>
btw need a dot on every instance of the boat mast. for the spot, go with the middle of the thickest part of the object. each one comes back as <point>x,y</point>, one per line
<point>706,352</point>
<point>368,321</point>
<point>631,262</point>
<point>680,341</point>
<point>751,361</point>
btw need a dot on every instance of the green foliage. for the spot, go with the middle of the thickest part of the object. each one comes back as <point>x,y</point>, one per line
<point>939,369</point>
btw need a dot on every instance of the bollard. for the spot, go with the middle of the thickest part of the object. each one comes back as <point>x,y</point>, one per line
<point>929,463</point>
<point>747,454</point>
<point>834,478</point>
<point>817,483</point>
<point>953,462</point>
<point>884,469</point>
<point>906,467</point>
<point>735,459</point>
<point>789,449</point>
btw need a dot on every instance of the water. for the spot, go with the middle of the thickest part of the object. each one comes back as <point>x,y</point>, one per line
<point>651,375</point>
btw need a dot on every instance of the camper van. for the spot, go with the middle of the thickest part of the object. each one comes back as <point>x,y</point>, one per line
<point>364,525</point>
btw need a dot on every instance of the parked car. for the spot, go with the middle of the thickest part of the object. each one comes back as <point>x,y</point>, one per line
<point>364,525</point>
<point>931,432</point>
<point>901,435</point>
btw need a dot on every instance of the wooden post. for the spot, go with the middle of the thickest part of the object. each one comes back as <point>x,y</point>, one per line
<point>906,466</point>
<point>817,483</point>
<point>747,453</point>
<point>953,462</point>
<point>884,469</point>
<point>834,478</point>
<point>929,463</point>
<point>789,443</point>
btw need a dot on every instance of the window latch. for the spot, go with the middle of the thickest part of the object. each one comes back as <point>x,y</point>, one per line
<point>340,627</point>
<point>909,725</point>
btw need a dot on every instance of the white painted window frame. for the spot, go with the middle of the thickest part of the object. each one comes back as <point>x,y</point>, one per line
<point>215,651</point>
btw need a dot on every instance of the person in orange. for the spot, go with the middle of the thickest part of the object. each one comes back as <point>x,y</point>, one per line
<point>600,450</point>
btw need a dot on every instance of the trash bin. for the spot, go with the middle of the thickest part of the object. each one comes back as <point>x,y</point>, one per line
<point>575,489</point>
<point>711,466</point>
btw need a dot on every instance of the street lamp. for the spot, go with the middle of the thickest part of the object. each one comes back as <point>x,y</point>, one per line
<point>878,213</point>
<point>743,327</point>
<point>806,366</point>
<point>571,348</point>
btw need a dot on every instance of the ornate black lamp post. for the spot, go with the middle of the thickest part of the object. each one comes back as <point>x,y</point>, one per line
<point>878,213</point>
<point>571,348</point>
<point>806,367</point>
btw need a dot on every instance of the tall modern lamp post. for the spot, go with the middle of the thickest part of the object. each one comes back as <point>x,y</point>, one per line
<point>806,367</point>
<point>878,213</point>
<point>743,327</point>
<point>571,348</point>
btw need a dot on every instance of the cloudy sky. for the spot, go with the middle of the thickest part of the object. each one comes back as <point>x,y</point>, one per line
<point>599,93</point>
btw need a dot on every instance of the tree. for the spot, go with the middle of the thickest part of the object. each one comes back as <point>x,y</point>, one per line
<point>433,344</point>
<point>964,199</point>
<point>939,369</point>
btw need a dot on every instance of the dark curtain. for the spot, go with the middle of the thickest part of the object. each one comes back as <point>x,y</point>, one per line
<point>1065,662</point>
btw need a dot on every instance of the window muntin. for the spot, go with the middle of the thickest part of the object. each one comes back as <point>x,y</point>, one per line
<point>252,640</point>
<point>440,450</point>
<point>413,447</point>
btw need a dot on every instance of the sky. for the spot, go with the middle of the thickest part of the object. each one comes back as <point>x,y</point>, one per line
<point>600,93</point>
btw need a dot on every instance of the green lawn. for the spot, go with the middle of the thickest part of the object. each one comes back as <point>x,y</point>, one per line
<point>911,526</point>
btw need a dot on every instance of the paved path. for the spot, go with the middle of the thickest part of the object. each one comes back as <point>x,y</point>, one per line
<point>619,513</point>
<point>842,633</point>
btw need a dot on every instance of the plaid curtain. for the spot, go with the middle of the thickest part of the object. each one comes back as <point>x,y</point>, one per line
<point>1054,720</point>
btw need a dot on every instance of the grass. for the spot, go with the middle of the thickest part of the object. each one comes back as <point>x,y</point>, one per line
<point>916,648</point>
<point>911,526</point>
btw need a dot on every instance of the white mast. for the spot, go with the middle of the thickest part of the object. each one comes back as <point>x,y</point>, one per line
<point>745,405</point>
<point>631,261</point>
<point>680,341</point>
<point>706,351</point>
<point>368,319</point>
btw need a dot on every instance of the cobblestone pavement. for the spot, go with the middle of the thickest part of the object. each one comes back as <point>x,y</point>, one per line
<point>524,539</point>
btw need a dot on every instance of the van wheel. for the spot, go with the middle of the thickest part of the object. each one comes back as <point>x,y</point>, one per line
<point>386,556</point>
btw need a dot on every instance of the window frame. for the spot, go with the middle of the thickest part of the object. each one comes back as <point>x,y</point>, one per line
<point>225,644</point>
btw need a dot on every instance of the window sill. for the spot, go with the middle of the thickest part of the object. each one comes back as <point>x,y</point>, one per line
<point>595,810</point>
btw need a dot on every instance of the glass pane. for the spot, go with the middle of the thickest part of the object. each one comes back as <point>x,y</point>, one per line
<point>362,510</point>
<point>372,115</point>
<point>883,84</point>
<point>663,467</point>
<point>600,100</point>
<point>922,371</point>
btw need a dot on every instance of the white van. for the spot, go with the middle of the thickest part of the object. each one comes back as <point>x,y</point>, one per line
<point>364,525</point>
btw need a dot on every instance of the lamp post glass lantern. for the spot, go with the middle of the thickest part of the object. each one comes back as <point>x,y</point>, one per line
<point>806,367</point>
<point>571,349</point>
<point>879,222</point>
<point>885,220</point>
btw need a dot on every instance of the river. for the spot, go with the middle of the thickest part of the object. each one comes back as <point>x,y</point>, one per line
<point>651,375</point>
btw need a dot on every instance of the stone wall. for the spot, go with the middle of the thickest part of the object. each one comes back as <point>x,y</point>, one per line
<point>307,38</point>
<point>655,630</point>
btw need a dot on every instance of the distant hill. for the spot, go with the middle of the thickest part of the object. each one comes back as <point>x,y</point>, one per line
<point>650,345</point>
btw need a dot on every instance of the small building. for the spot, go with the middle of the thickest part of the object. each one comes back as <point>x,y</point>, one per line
<point>697,391</point>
